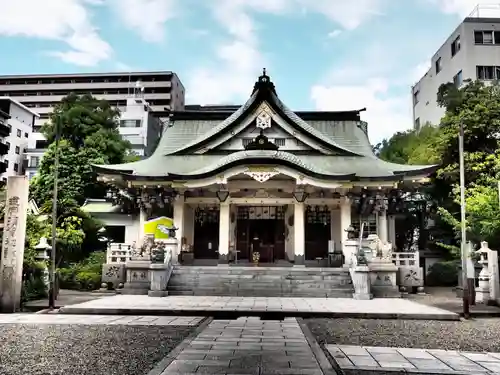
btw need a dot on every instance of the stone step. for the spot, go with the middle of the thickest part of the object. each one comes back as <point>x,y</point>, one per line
<point>288,283</point>
<point>261,293</point>
<point>260,281</point>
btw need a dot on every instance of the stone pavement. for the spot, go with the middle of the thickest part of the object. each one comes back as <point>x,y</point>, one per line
<point>99,319</point>
<point>379,360</point>
<point>381,308</point>
<point>247,346</point>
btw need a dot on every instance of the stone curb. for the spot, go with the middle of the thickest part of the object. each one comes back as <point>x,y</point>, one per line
<point>169,358</point>
<point>326,364</point>
<point>266,314</point>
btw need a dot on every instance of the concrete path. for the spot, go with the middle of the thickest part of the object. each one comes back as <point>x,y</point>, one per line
<point>373,360</point>
<point>99,319</point>
<point>250,306</point>
<point>248,346</point>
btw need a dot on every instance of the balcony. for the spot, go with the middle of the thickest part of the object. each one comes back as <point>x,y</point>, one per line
<point>4,129</point>
<point>4,149</point>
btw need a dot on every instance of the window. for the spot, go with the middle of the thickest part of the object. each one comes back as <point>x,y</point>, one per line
<point>455,46</point>
<point>438,65</point>
<point>17,150</point>
<point>26,135</point>
<point>416,97</point>
<point>370,223</point>
<point>6,163</point>
<point>457,80</point>
<point>130,123</point>
<point>34,161</point>
<point>487,37</point>
<point>417,123</point>
<point>485,72</point>
<point>19,133</point>
<point>279,141</point>
<point>16,167</point>
<point>8,145</point>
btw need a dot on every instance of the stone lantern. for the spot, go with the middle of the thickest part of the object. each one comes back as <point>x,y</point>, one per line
<point>483,290</point>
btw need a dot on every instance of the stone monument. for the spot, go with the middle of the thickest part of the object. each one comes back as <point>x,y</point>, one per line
<point>14,234</point>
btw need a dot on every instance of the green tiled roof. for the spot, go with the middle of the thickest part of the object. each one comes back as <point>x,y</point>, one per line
<point>354,156</point>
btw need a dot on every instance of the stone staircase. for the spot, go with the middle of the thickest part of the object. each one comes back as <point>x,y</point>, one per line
<point>260,282</point>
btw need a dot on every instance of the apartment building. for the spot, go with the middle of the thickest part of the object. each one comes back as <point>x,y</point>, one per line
<point>472,51</point>
<point>161,90</point>
<point>19,121</point>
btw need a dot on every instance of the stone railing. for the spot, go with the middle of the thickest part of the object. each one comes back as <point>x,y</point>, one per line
<point>118,253</point>
<point>406,259</point>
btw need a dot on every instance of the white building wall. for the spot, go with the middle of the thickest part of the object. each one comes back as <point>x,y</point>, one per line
<point>466,60</point>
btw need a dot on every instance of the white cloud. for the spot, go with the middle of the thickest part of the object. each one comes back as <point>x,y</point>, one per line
<point>385,114</point>
<point>334,33</point>
<point>239,60</point>
<point>419,71</point>
<point>464,8</point>
<point>146,17</point>
<point>67,21</point>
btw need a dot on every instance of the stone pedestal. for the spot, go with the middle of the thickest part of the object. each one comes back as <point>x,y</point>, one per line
<point>383,280</point>
<point>483,290</point>
<point>114,274</point>
<point>172,245</point>
<point>138,280</point>
<point>360,276</point>
<point>410,277</point>
<point>159,279</point>
<point>349,249</point>
<point>14,234</point>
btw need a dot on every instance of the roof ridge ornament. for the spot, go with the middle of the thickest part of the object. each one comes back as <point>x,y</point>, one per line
<point>264,83</point>
<point>261,142</point>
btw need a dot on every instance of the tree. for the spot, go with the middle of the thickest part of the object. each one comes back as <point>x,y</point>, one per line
<point>88,131</point>
<point>476,107</point>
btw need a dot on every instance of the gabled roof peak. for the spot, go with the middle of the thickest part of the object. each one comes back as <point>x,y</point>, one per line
<point>264,83</point>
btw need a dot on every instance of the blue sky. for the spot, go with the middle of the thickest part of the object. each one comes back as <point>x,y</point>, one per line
<point>321,54</point>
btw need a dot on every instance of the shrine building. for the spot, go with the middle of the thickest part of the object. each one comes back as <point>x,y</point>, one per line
<point>264,179</point>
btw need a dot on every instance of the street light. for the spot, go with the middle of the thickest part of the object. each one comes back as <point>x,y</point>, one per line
<point>52,269</point>
<point>463,247</point>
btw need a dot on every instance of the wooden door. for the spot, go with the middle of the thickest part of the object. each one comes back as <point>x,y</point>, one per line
<point>206,233</point>
<point>317,232</point>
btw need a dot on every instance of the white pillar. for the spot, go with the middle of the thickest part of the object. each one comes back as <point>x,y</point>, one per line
<point>224,223</point>
<point>392,230</point>
<point>178,223</point>
<point>142,220</point>
<point>345,218</point>
<point>382,226</point>
<point>299,233</point>
<point>345,222</point>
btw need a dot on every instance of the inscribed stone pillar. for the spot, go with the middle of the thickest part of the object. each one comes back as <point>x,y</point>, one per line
<point>392,230</point>
<point>224,221</point>
<point>11,265</point>
<point>382,226</point>
<point>299,233</point>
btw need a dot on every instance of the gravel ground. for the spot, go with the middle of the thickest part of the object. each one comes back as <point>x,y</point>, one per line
<point>473,335</point>
<point>85,350</point>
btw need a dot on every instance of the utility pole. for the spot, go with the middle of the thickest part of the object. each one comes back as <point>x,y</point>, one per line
<point>463,245</point>
<point>52,269</point>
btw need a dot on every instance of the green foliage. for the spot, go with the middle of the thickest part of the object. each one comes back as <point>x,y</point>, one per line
<point>85,274</point>
<point>411,147</point>
<point>443,274</point>
<point>33,284</point>
<point>88,135</point>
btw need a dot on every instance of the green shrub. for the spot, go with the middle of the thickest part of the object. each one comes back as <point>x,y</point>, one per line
<point>443,274</point>
<point>33,284</point>
<point>84,275</point>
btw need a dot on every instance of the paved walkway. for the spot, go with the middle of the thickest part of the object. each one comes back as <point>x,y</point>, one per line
<point>332,307</point>
<point>357,360</point>
<point>247,346</point>
<point>99,319</point>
